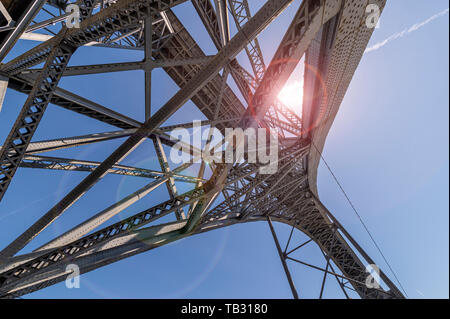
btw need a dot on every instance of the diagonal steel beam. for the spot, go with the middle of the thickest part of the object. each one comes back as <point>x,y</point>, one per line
<point>306,23</point>
<point>32,8</point>
<point>118,16</point>
<point>124,66</point>
<point>67,142</point>
<point>106,214</point>
<point>222,13</point>
<point>28,120</point>
<point>20,268</point>
<point>131,244</point>
<point>170,182</point>
<point>31,114</point>
<point>264,16</point>
<point>283,260</point>
<point>241,13</point>
<point>66,164</point>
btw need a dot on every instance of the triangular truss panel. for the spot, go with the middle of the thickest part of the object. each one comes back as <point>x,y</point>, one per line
<point>200,196</point>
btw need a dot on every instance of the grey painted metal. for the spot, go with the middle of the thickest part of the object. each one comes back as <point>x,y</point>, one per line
<point>66,164</point>
<point>112,19</point>
<point>62,143</point>
<point>170,182</point>
<point>26,124</point>
<point>288,196</point>
<point>103,216</point>
<point>222,13</point>
<point>270,10</point>
<point>20,26</point>
<point>241,14</point>
<point>48,22</point>
<point>283,260</point>
<point>31,114</point>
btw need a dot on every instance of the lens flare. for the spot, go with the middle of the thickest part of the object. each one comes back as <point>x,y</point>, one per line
<point>292,96</point>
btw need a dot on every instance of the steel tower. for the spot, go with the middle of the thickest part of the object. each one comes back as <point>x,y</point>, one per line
<point>331,35</point>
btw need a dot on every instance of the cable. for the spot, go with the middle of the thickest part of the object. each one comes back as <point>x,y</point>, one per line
<point>360,219</point>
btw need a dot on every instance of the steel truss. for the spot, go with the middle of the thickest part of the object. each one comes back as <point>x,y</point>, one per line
<point>328,32</point>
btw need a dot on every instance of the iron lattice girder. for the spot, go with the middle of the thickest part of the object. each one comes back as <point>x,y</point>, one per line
<point>78,104</point>
<point>22,12</point>
<point>243,79</point>
<point>26,124</point>
<point>280,68</point>
<point>17,141</point>
<point>308,20</point>
<point>182,45</point>
<point>179,73</point>
<point>270,10</point>
<point>26,268</point>
<point>306,23</point>
<point>279,201</point>
<point>241,14</point>
<point>107,21</point>
<point>121,15</point>
<point>61,143</point>
<point>64,164</point>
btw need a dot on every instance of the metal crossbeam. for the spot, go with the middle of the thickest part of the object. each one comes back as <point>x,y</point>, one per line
<point>65,164</point>
<point>28,120</point>
<point>116,17</point>
<point>258,22</point>
<point>31,114</point>
<point>22,22</point>
<point>241,14</point>
<point>322,30</point>
<point>62,143</point>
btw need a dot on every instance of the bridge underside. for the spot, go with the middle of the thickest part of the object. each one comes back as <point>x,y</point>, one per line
<point>331,36</point>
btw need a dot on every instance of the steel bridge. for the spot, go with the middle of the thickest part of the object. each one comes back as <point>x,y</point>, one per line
<point>331,36</point>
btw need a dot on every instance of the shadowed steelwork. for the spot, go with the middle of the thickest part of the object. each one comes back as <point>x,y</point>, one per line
<point>332,37</point>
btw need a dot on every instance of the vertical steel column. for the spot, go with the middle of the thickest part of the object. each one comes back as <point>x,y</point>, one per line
<point>325,273</point>
<point>283,260</point>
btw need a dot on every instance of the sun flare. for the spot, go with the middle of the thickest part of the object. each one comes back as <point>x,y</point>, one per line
<point>292,95</point>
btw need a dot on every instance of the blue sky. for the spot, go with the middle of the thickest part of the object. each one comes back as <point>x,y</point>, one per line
<point>388,147</point>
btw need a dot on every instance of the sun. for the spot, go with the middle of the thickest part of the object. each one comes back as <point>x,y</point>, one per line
<point>292,95</point>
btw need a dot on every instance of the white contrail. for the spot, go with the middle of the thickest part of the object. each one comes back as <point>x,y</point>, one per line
<point>404,32</point>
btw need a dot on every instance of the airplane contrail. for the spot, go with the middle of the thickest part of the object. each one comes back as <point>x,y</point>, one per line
<point>405,32</point>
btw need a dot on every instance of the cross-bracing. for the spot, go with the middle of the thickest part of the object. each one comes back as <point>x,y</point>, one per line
<point>329,34</point>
